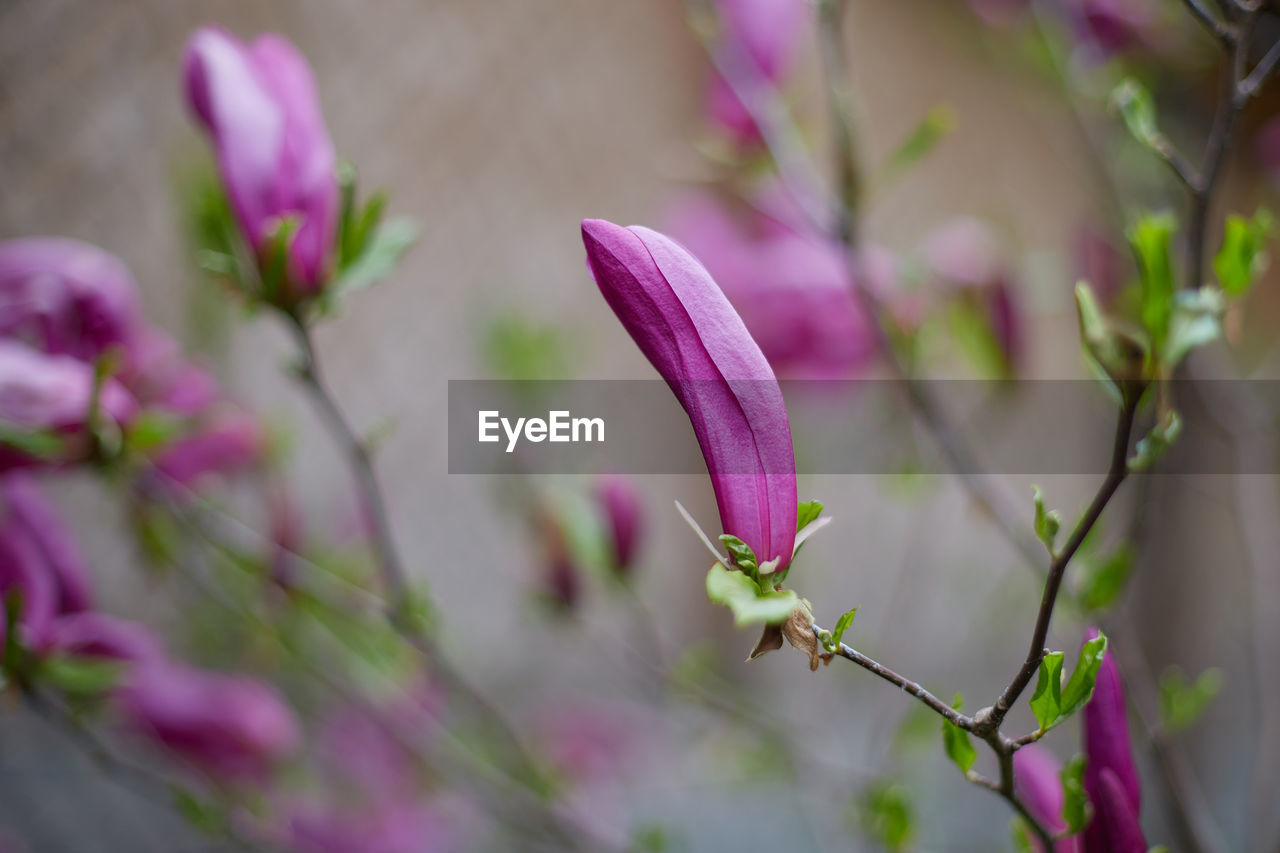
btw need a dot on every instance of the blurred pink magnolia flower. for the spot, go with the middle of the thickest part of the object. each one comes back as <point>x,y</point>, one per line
<point>586,742</point>
<point>363,746</point>
<point>1112,26</point>
<point>258,103</point>
<point>1038,785</point>
<point>160,377</point>
<point>375,795</point>
<point>50,395</point>
<point>765,35</point>
<point>400,825</point>
<point>623,511</point>
<point>97,635</point>
<point>28,514</point>
<point>232,727</point>
<point>65,297</point>
<point>790,287</point>
<point>968,257</point>
<point>231,441</point>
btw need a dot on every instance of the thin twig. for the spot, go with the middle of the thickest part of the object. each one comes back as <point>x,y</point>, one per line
<point>904,684</point>
<point>372,503</point>
<point>1216,27</point>
<point>399,609</point>
<point>1116,473</point>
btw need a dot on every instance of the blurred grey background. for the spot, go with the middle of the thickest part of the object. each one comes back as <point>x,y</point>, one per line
<point>498,125</point>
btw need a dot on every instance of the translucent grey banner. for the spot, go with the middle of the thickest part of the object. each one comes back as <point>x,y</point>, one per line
<point>1042,427</point>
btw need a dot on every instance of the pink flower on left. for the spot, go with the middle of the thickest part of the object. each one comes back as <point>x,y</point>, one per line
<point>259,105</point>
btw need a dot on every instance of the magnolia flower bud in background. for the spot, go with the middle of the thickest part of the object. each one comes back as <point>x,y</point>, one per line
<point>259,105</point>
<point>44,407</point>
<point>764,35</point>
<point>27,513</point>
<point>560,579</point>
<point>231,727</point>
<point>687,329</point>
<point>623,513</point>
<point>791,287</point>
<point>1110,774</point>
<point>1039,787</point>
<point>98,635</point>
<point>231,442</point>
<point>969,259</point>
<point>65,297</point>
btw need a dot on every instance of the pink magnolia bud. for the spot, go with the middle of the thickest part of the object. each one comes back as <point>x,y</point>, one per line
<point>560,580</point>
<point>685,326</point>
<point>258,102</point>
<point>232,727</point>
<point>624,520</point>
<point>50,395</point>
<point>65,297</point>
<point>1039,787</point>
<point>1110,774</point>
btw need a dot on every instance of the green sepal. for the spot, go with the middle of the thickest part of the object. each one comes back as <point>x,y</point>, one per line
<point>750,605</point>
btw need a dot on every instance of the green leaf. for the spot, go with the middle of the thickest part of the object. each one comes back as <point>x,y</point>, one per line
<point>1047,523</point>
<point>1020,834</point>
<point>1118,351</point>
<point>1196,321</point>
<point>1046,701</point>
<point>956,742</point>
<point>1075,802</point>
<point>922,139</point>
<point>1079,687</point>
<point>40,444</point>
<point>750,606</point>
<point>1053,701</point>
<point>1138,109</point>
<point>1242,258</point>
<point>1182,703</point>
<point>379,256</point>
<point>1105,581</point>
<point>831,640</point>
<point>886,815</point>
<point>82,676</point>
<point>806,513</point>
<point>1156,442</point>
<point>740,553</point>
<point>1151,238</point>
